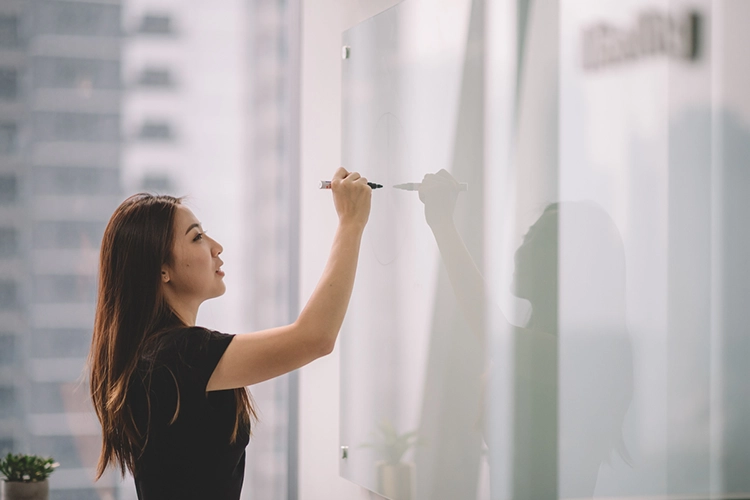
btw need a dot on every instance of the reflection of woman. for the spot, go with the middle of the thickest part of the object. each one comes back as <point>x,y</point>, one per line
<point>573,362</point>
<point>171,396</point>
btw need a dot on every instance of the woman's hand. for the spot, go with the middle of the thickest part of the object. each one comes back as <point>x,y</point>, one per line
<point>351,197</point>
<point>439,192</point>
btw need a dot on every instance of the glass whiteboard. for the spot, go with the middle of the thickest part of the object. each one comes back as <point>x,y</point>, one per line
<point>556,311</point>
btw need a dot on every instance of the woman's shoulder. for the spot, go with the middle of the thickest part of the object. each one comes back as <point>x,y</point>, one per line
<point>181,344</point>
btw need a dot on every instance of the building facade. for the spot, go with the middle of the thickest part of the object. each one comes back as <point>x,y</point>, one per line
<point>60,181</point>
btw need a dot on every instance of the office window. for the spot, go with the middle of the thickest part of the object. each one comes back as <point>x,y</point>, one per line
<point>9,31</point>
<point>47,397</point>
<point>155,24</point>
<point>6,446</point>
<point>77,18</point>
<point>7,348</point>
<point>75,181</point>
<point>76,127</point>
<point>8,189</point>
<point>156,183</point>
<point>60,342</point>
<point>66,73</point>
<point>7,401</point>
<point>65,446</point>
<point>8,83</point>
<point>8,242</point>
<point>156,77</point>
<point>67,234</point>
<point>152,130</point>
<point>8,138</point>
<point>64,289</point>
<point>8,294</point>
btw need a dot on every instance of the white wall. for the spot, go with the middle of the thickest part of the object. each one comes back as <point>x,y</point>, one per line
<point>323,21</point>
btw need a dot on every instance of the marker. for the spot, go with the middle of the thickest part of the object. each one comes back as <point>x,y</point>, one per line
<point>414,186</point>
<point>327,185</point>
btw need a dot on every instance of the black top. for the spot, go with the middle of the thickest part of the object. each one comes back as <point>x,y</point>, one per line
<point>190,458</point>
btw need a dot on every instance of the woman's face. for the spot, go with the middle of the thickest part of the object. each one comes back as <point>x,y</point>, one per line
<point>195,273</point>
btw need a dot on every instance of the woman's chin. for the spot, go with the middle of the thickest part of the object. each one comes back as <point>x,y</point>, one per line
<point>221,289</point>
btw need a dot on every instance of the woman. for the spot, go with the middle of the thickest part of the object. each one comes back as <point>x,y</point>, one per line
<point>171,396</point>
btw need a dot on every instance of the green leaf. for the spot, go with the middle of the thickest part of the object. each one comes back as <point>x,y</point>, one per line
<point>26,468</point>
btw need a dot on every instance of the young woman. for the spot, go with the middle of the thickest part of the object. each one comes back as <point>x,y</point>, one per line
<point>171,396</point>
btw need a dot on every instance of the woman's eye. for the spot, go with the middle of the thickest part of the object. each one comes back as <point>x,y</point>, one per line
<point>199,236</point>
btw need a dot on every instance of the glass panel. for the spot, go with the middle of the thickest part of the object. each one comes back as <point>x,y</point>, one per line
<point>7,348</point>
<point>412,357</point>
<point>8,83</point>
<point>156,77</point>
<point>65,166</point>
<point>8,188</point>
<point>50,126</point>
<point>72,73</point>
<point>153,24</point>
<point>75,180</point>
<point>8,138</point>
<point>76,18</point>
<point>9,31</point>
<point>8,242</point>
<point>573,325</point>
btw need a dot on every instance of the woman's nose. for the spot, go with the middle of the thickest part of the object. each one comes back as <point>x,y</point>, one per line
<point>217,247</point>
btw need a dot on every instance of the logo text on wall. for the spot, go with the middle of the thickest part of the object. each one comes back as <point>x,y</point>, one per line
<point>654,34</point>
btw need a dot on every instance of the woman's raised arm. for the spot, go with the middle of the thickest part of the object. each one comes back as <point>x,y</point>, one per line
<point>258,356</point>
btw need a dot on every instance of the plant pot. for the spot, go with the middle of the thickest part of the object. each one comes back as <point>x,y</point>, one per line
<point>396,481</point>
<point>37,490</point>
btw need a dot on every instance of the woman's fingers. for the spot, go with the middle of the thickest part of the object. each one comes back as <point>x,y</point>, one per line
<point>351,197</point>
<point>341,173</point>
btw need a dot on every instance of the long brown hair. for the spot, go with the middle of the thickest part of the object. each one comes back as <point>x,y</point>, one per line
<point>131,312</point>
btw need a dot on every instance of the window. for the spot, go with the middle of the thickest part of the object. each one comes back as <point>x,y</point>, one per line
<point>67,234</point>
<point>7,401</point>
<point>153,24</point>
<point>8,242</point>
<point>64,289</point>
<point>7,348</point>
<point>77,18</point>
<point>155,77</point>
<point>59,342</point>
<point>8,189</point>
<point>76,127</point>
<point>6,446</point>
<point>156,131</point>
<point>67,73</point>
<point>46,397</point>
<point>8,138</point>
<point>157,184</point>
<point>75,181</point>
<point>65,446</point>
<point>9,31</point>
<point>8,295</point>
<point>8,83</point>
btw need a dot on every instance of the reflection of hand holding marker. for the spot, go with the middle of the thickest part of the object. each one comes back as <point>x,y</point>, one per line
<point>414,186</point>
<point>327,185</point>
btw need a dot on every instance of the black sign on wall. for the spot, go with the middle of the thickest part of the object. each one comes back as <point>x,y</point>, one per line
<point>654,34</point>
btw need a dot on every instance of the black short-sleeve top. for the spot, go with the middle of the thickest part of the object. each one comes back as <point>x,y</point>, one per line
<point>190,457</point>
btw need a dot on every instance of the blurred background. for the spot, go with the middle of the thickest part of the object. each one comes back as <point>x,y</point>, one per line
<point>102,99</point>
<point>601,353</point>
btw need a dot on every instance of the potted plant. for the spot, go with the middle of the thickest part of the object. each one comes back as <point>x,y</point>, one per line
<point>395,478</point>
<point>26,476</point>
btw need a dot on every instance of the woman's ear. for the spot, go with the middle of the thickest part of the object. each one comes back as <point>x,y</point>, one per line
<point>164,275</point>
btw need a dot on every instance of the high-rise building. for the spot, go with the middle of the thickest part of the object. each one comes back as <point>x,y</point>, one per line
<point>210,112</point>
<point>59,183</point>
